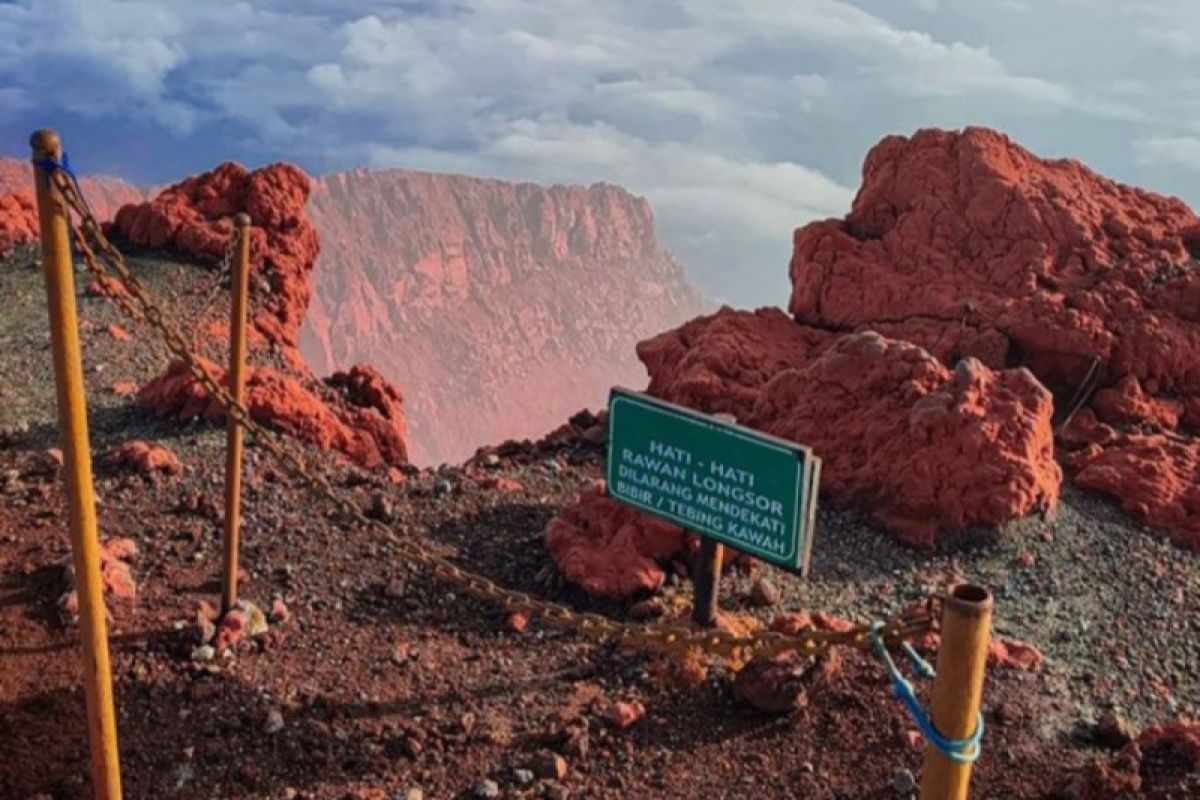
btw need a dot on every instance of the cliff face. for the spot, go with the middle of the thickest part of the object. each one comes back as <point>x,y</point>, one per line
<point>499,307</point>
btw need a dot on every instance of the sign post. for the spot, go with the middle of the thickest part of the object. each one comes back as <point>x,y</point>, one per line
<point>730,484</point>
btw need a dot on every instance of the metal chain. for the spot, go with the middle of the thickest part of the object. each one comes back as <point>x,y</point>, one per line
<point>222,278</point>
<point>100,256</point>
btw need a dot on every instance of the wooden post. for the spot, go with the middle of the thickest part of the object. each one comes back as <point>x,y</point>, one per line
<point>707,582</point>
<point>958,688</point>
<point>77,468</point>
<point>240,287</point>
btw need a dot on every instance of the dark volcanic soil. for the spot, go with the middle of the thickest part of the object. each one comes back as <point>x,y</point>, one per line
<point>392,685</point>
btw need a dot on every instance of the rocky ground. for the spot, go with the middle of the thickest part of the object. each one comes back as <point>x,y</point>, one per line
<point>385,683</point>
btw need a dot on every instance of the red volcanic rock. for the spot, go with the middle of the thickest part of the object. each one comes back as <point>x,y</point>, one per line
<point>1161,762</point>
<point>926,449</point>
<point>1013,654</point>
<point>18,220</point>
<point>720,363</point>
<point>499,307</point>
<point>363,419</point>
<point>969,245</point>
<point>195,217</point>
<point>116,574</point>
<point>1155,476</point>
<point>624,715</point>
<point>930,451</point>
<point>611,549</point>
<point>1061,262</point>
<point>145,458</point>
<point>104,194</point>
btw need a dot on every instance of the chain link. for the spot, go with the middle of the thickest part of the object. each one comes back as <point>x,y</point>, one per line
<point>223,277</point>
<point>100,256</point>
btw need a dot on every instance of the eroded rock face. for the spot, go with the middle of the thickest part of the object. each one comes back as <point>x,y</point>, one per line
<point>500,307</point>
<point>195,217</point>
<point>367,426</point>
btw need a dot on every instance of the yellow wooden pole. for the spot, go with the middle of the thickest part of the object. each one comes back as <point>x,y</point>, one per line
<point>77,469</point>
<point>240,286</point>
<point>958,688</point>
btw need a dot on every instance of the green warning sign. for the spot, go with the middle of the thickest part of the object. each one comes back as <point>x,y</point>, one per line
<point>753,492</point>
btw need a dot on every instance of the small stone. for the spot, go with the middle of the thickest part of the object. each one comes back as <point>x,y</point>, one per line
<point>650,608</point>
<point>487,789</point>
<point>256,620</point>
<point>279,612</point>
<point>274,723</point>
<point>550,766</point>
<point>491,460</point>
<point>442,487</point>
<point>414,793</point>
<point>624,715</point>
<point>1114,730</point>
<point>523,776</point>
<point>382,508</point>
<point>764,593</point>
<point>904,782</point>
<point>553,466</point>
<point>205,652</point>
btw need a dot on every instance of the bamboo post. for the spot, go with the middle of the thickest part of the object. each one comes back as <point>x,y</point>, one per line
<point>240,286</point>
<point>707,582</point>
<point>958,688</point>
<point>77,468</point>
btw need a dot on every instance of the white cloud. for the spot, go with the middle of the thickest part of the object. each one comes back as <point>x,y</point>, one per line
<point>738,119</point>
<point>1169,151</point>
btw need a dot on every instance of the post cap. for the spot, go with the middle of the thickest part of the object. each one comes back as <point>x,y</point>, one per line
<point>241,219</point>
<point>46,144</point>
<point>969,599</point>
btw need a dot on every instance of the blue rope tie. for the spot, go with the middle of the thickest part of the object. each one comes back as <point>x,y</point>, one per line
<point>961,751</point>
<point>52,164</point>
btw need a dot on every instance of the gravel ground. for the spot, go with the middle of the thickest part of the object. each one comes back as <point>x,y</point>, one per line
<point>386,681</point>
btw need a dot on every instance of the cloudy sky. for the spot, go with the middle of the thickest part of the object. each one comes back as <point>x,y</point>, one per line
<point>738,119</point>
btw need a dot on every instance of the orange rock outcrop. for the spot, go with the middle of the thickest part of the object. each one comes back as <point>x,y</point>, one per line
<point>357,412</point>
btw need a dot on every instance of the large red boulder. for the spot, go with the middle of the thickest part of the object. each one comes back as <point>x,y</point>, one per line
<point>955,230</point>
<point>195,217</point>
<point>362,417</point>
<point>927,449</point>
<point>611,549</point>
<point>969,245</point>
